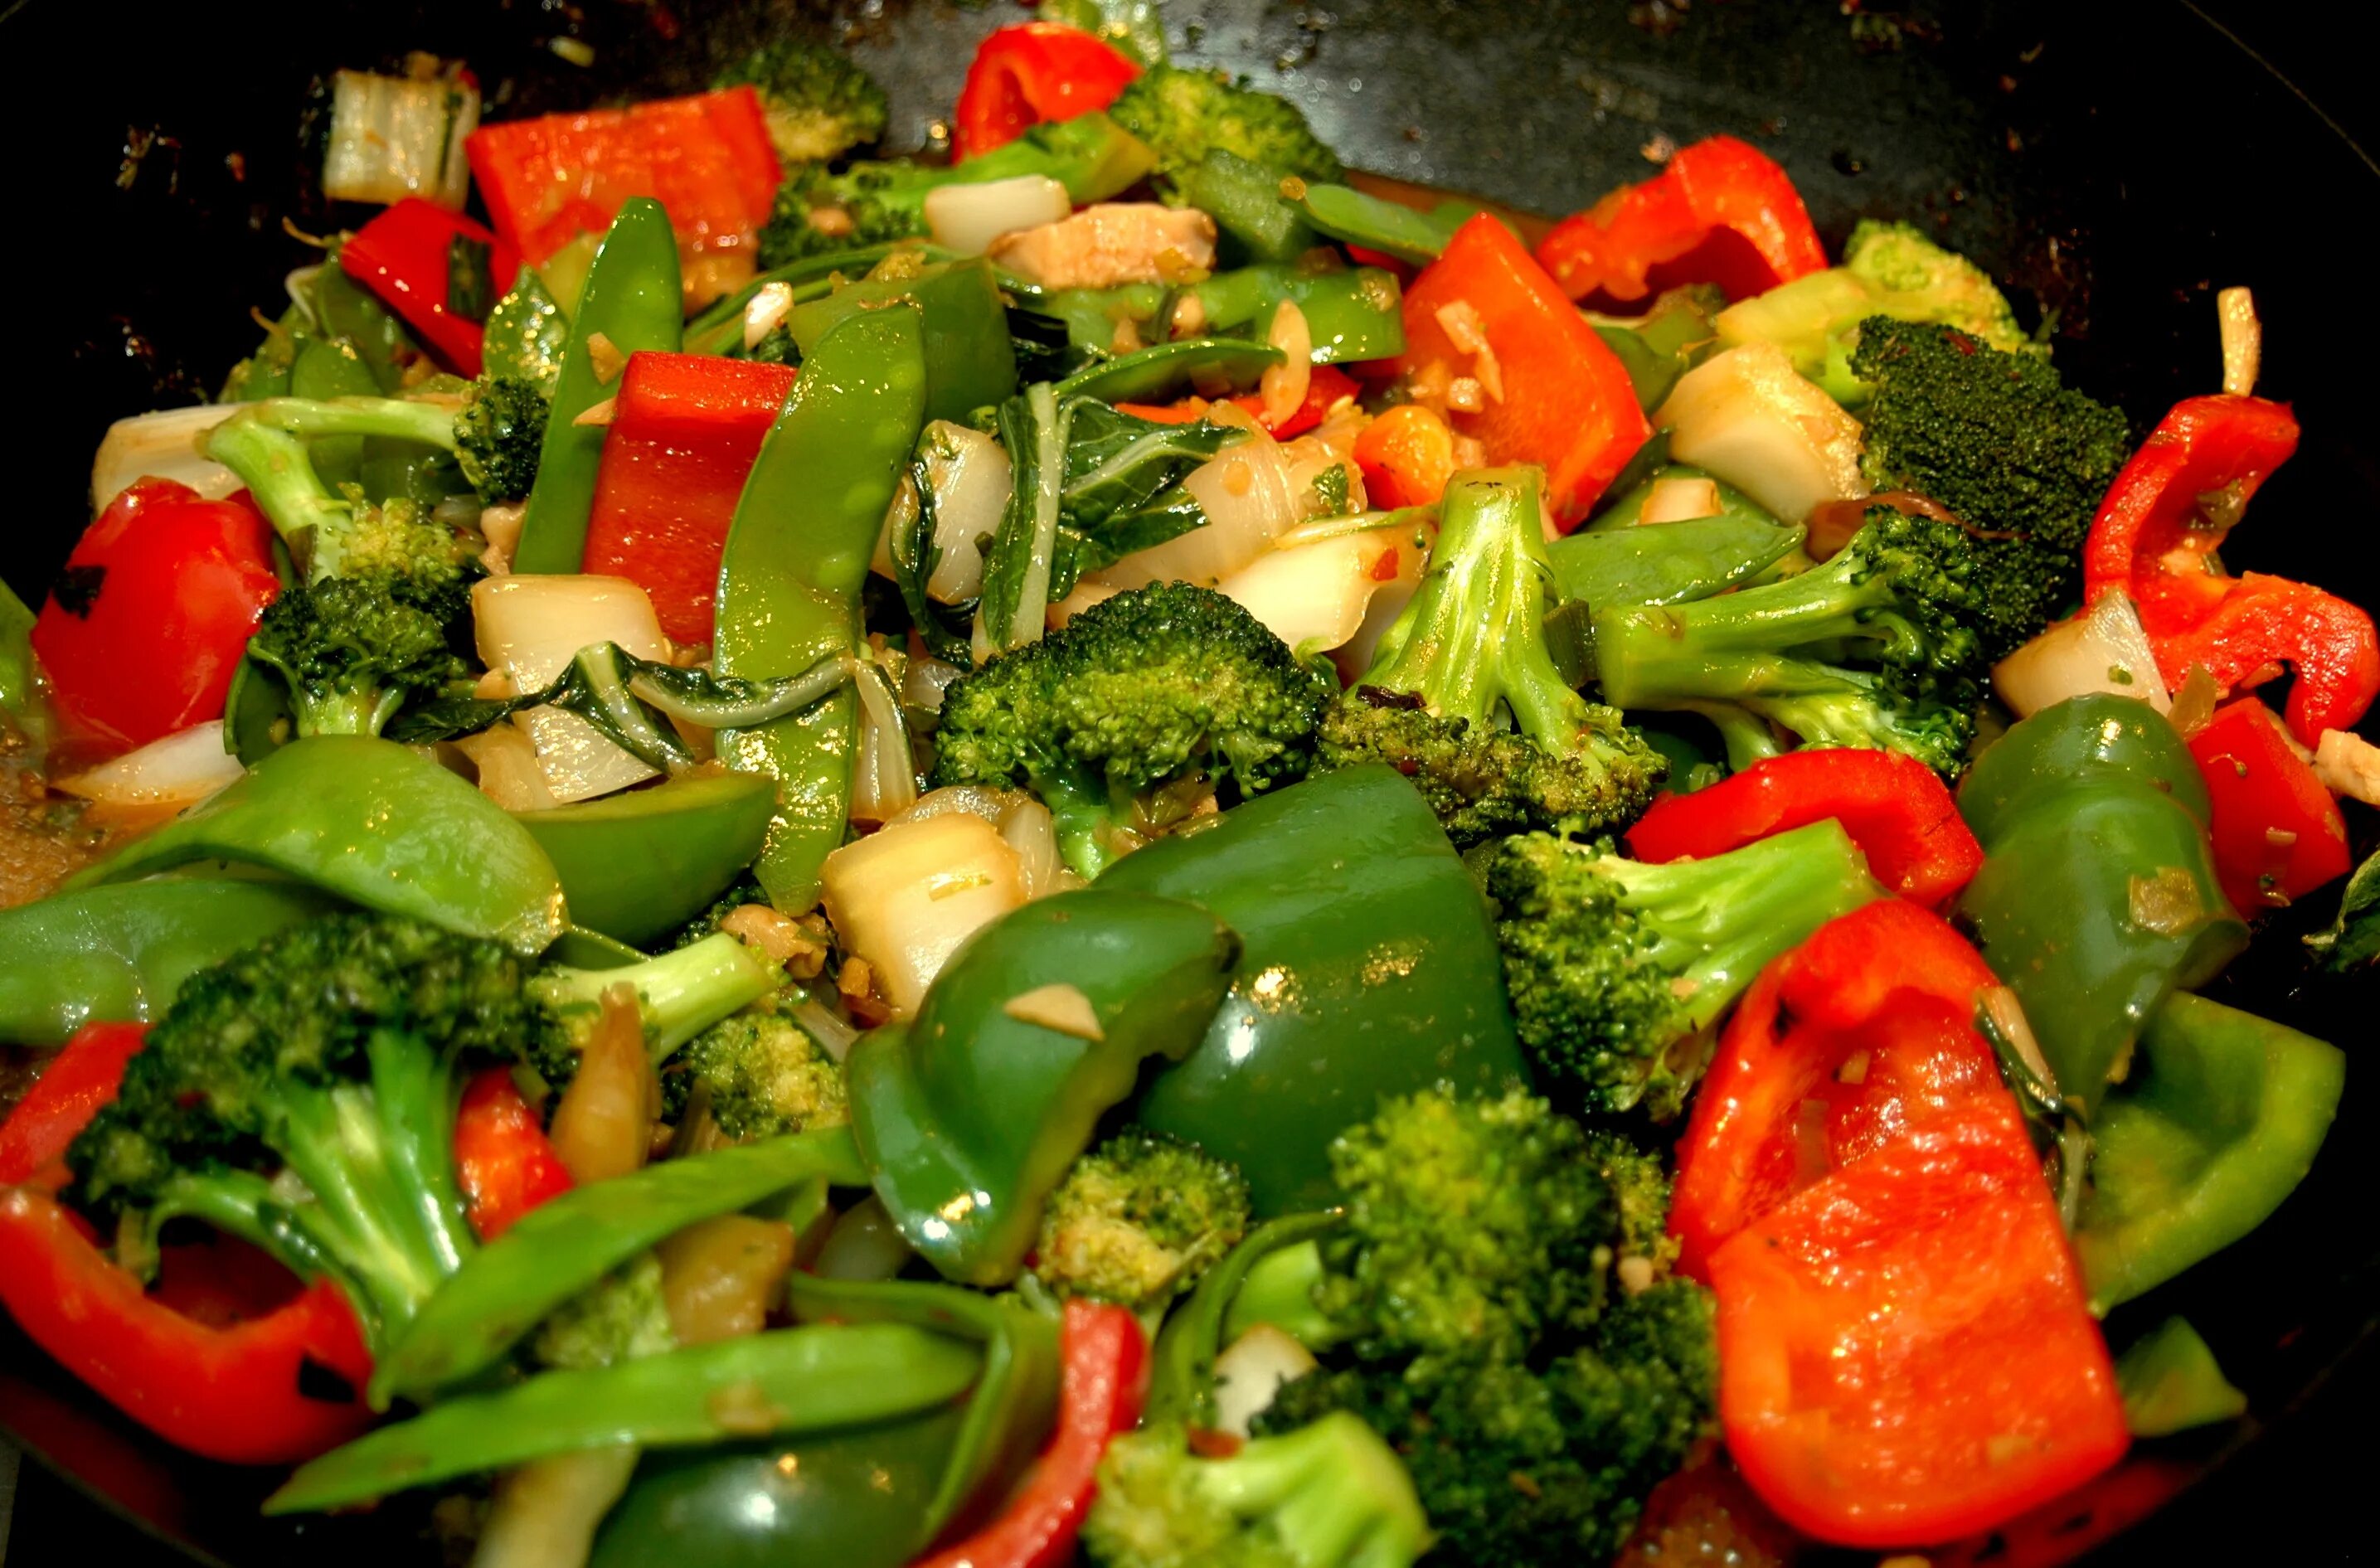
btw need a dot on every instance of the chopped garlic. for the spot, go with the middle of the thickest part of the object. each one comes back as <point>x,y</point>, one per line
<point>1058,1007</point>
<point>2349,765</point>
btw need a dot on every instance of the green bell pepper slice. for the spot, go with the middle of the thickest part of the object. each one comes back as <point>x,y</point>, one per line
<point>2218,1122</point>
<point>970,1113</point>
<point>1182,1366</point>
<point>1668,563</point>
<point>796,557</point>
<point>970,359</point>
<point>561,1247</point>
<point>636,865</point>
<point>375,823</point>
<point>1356,217</point>
<point>1257,222</point>
<point>1369,970</point>
<point>2171,1382</point>
<point>121,954</point>
<point>528,335</point>
<point>814,1379</point>
<point>2097,896</point>
<point>633,300</point>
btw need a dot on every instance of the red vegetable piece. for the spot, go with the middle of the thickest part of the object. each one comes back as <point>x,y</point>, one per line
<point>1894,808</point>
<point>1407,455</point>
<point>685,430</point>
<point>2266,622</point>
<point>504,1162</point>
<point>81,1079</point>
<point>1723,211</point>
<point>2278,833</point>
<point>1029,73</point>
<point>146,625</point>
<point>407,257</point>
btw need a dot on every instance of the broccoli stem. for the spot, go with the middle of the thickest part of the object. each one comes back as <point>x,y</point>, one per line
<point>681,993</point>
<point>279,473</point>
<point>1082,815</point>
<point>432,424</point>
<point>1279,1290</point>
<point>1333,1490</point>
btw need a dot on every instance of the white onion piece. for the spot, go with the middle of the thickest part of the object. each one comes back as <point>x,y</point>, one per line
<point>166,775</point>
<point>769,304</point>
<point>905,897</point>
<point>969,477</point>
<point>927,679</point>
<point>974,800</point>
<point>884,773</point>
<point>2243,340</point>
<point>1249,1373</point>
<point>1313,596</point>
<point>967,218</point>
<point>162,445</point>
<point>1282,387</point>
<point>1680,501</point>
<point>1249,499</point>
<point>1030,831</point>
<point>835,1037</point>
<point>529,627</point>
<point>1749,418</point>
<point>2349,765</point>
<point>2103,649</point>
<point>506,761</point>
<point>396,137</point>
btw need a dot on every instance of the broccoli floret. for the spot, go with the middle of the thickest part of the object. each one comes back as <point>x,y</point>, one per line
<point>1641,1189</point>
<point>1882,646</point>
<point>499,436</point>
<point>1618,969</point>
<point>819,104</point>
<point>1138,706</point>
<point>354,649</point>
<point>1888,270</point>
<point>1327,1495</point>
<point>680,993</point>
<point>1138,1220</point>
<point>623,1318</point>
<point>1182,113</point>
<point>765,1076</point>
<point>1469,651</point>
<point>2019,457</point>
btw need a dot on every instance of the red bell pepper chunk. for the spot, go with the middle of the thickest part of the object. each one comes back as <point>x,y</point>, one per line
<point>148,621</point>
<point>686,428</point>
<point>407,257</point>
<point>1894,808</point>
<point>1406,455</point>
<point>2278,833</point>
<point>1032,72</point>
<point>504,1162</point>
<point>1324,389</point>
<point>2263,622</point>
<point>81,1079</point>
<point>1723,211</point>
<point>1105,1381</point>
<point>1556,394</point>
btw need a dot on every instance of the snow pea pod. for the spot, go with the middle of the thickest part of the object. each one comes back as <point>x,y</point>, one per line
<point>1160,374</point>
<point>526,334</point>
<point>1181,1367</point>
<point>633,300</point>
<point>565,1245</point>
<point>970,1113</point>
<point>1668,563</point>
<point>635,865</point>
<point>119,954</point>
<point>970,359</point>
<point>807,1379</point>
<point>2098,896</point>
<point>1620,514</point>
<point>797,555</point>
<point>2218,1122</point>
<point>375,823</point>
<point>1352,313</point>
<point>1376,223</point>
<point>1369,970</point>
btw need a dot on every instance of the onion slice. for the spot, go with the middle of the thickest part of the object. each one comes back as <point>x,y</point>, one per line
<point>2103,649</point>
<point>162,777</point>
<point>967,218</point>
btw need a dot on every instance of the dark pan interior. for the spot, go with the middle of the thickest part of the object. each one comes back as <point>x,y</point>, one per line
<point>165,145</point>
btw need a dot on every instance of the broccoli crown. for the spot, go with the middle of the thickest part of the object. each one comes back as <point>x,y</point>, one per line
<point>1882,646</point>
<point>499,435</point>
<point>623,1318</point>
<point>300,1095</point>
<point>1468,653</point>
<point>1328,1494</point>
<point>1163,686</point>
<point>1998,440</point>
<point>765,1075</point>
<point>1183,113</point>
<point>1618,969</point>
<point>1138,1220</point>
<point>819,102</point>
<point>353,649</point>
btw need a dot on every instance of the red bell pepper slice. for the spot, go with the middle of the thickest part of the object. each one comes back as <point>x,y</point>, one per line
<point>685,430</point>
<point>1905,1352</point>
<point>1894,807</point>
<point>1723,211</point>
<point>1559,397</point>
<point>504,1162</point>
<point>407,257</point>
<point>1105,1383</point>
<point>1324,389</point>
<point>1406,456</point>
<point>2278,833</point>
<point>1032,72</point>
<point>81,1079</point>
<point>2266,622</point>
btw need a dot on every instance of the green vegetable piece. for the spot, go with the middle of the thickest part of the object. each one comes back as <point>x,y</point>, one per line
<point>790,1380</point>
<point>819,102</point>
<point>15,655</point>
<point>1668,563</point>
<point>1165,372</point>
<point>2170,1383</point>
<point>1620,514</point>
<point>797,556</point>
<point>970,359</point>
<point>1182,113</point>
<point>1350,312</point>
<point>527,336</point>
<point>634,866</point>
<point>1661,344</point>
<point>970,1115</point>
<point>1246,202</point>
<point>718,328</point>
<point>2097,896</point>
<point>2353,940</point>
<point>1359,923</point>
<point>1134,29</point>
<point>122,953</point>
<point>1376,223</point>
<point>1182,1366</point>
<point>2218,1122</point>
<point>633,300</point>
<point>375,823</point>
<point>561,1247</point>
<point>352,317</point>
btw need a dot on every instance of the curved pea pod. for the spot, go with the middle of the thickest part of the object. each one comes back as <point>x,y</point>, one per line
<point>526,334</point>
<point>1369,970</point>
<point>1624,507</point>
<point>375,823</point>
<point>636,864</point>
<point>2218,1122</point>
<point>797,555</point>
<point>1167,371</point>
<point>1668,563</point>
<point>120,953</point>
<point>1181,1367</point>
<point>968,1115</point>
<point>2097,897</point>
<point>970,359</point>
<point>565,1245</point>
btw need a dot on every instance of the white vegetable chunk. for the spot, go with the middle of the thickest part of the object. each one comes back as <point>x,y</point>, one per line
<point>396,137</point>
<point>528,628</point>
<point>1313,596</point>
<point>166,775</point>
<point>1749,418</point>
<point>905,897</point>
<point>968,218</point>
<point>1249,1375</point>
<point>161,445</point>
<point>2103,649</point>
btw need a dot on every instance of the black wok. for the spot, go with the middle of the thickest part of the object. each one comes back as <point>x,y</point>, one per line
<point>2115,164</point>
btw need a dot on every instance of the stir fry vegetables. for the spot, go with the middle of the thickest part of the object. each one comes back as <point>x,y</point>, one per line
<point>1114,852</point>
